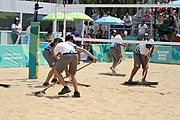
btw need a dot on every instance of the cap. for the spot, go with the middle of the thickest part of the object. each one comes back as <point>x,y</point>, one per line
<point>114,31</point>
<point>70,36</point>
<point>146,34</point>
<point>150,42</point>
<point>17,19</point>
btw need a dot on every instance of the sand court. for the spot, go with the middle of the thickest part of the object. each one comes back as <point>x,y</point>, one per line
<point>105,99</point>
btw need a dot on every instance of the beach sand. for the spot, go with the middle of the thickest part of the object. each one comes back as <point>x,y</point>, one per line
<point>106,99</point>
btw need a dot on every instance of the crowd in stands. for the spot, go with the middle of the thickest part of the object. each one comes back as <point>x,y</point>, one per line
<point>166,23</point>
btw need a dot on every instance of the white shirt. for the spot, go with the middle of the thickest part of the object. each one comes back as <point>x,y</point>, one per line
<point>127,20</point>
<point>18,27</point>
<point>142,49</point>
<point>28,30</point>
<point>117,37</point>
<point>142,29</point>
<point>65,47</point>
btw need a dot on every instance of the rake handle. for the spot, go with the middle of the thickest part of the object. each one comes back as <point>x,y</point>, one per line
<point>84,66</point>
<point>146,66</point>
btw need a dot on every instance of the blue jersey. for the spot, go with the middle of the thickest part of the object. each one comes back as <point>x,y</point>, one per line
<point>48,47</point>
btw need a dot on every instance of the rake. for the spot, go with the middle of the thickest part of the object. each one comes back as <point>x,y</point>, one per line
<point>42,92</point>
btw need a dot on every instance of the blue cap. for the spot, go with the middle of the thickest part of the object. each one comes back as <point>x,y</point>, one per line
<point>70,36</point>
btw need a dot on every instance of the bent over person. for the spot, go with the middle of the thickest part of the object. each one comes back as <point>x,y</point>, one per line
<point>51,59</point>
<point>141,57</point>
<point>68,51</point>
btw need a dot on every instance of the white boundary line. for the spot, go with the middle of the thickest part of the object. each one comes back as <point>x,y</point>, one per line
<point>126,41</point>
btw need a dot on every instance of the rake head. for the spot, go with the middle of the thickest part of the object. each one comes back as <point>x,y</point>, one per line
<point>40,93</point>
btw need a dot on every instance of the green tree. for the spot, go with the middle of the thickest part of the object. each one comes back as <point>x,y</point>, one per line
<point>113,11</point>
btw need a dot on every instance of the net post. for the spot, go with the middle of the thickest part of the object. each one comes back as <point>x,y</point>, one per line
<point>33,50</point>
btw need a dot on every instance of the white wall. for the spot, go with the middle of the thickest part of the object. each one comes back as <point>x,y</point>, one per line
<point>27,7</point>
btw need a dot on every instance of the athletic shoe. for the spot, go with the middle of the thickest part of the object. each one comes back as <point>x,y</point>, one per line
<point>144,81</point>
<point>64,90</point>
<point>54,80</point>
<point>113,70</point>
<point>76,94</point>
<point>129,81</point>
<point>45,84</point>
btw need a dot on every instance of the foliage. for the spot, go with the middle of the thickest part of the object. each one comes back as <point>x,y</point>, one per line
<point>118,12</point>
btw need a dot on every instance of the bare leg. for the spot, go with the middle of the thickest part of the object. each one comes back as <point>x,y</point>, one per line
<point>144,75</point>
<point>60,77</point>
<point>50,74</point>
<point>54,76</point>
<point>115,63</point>
<point>134,71</point>
<point>74,81</point>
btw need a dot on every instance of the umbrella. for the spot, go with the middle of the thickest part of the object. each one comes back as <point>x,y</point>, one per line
<point>32,18</point>
<point>109,20</point>
<point>79,16</point>
<point>60,16</point>
<point>175,2</point>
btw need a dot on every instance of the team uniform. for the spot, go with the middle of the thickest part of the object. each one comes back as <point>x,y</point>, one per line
<point>68,57</point>
<point>140,49</point>
<point>114,47</point>
<point>140,57</point>
<point>48,56</point>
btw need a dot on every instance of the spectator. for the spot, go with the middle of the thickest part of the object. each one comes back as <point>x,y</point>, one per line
<point>95,16</point>
<point>147,18</point>
<point>48,37</point>
<point>99,34</point>
<point>146,37</point>
<point>142,28</point>
<point>16,31</point>
<point>91,34</point>
<point>76,33</point>
<point>172,27</point>
<point>128,23</point>
<point>28,32</point>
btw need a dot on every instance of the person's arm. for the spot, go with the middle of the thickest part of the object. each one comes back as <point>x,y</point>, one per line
<point>13,28</point>
<point>119,50</point>
<point>152,52</point>
<point>79,49</point>
<point>46,38</point>
<point>20,28</point>
<point>52,52</point>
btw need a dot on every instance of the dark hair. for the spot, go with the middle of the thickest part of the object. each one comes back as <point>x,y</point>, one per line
<point>52,44</point>
<point>171,17</point>
<point>50,31</point>
<point>57,40</point>
<point>91,30</point>
<point>68,37</point>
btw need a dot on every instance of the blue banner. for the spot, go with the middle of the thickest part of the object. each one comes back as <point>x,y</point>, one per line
<point>101,51</point>
<point>166,54</point>
<point>18,55</point>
